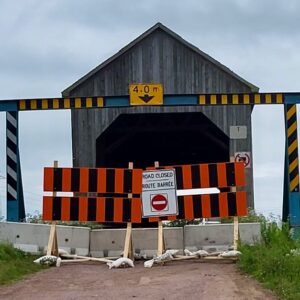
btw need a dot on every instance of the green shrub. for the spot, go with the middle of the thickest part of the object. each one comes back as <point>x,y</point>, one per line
<point>272,263</point>
<point>14,264</point>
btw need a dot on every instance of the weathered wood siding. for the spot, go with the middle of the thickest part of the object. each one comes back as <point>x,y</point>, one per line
<point>162,59</point>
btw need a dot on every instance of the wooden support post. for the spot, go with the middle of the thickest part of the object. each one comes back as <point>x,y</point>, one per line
<point>128,247</point>
<point>235,232</point>
<point>160,237</point>
<point>52,248</point>
<point>235,220</point>
<point>161,244</point>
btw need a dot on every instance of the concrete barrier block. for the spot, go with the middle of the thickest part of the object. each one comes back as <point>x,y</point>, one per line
<point>77,239</point>
<point>34,237</point>
<point>145,240</point>
<point>174,238</point>
<point>215,237</point>
<point>250,233</point>
<point>208,237</point>
<point>27,237</point>
<point>110,242</point>
<point>107,242</point>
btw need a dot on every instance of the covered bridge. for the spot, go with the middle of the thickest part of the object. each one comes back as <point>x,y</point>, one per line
<point>112,137</point>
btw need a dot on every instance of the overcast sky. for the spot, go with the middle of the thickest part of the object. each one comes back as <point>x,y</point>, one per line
<point>47,45</point>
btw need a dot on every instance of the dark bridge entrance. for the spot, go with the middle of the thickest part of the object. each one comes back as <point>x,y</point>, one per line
<point>170,138</point>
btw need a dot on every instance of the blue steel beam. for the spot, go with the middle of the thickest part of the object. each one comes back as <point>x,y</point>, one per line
<point>117,101</point>
<point>291,200</point>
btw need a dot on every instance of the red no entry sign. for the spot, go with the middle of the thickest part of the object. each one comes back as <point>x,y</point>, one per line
<point>159,202</point>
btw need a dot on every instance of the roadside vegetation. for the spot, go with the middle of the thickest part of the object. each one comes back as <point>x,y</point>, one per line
<point>15,264</point>
<point>275,261</point>
<point>37,219</point>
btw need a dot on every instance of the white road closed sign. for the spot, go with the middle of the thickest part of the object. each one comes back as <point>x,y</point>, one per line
<point>159,193</point>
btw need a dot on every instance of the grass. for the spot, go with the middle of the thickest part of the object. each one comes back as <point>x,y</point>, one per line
<point>272,263</point>
<point>15,264</point>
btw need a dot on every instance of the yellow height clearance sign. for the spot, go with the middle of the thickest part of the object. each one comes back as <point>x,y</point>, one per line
<point>146,94</point>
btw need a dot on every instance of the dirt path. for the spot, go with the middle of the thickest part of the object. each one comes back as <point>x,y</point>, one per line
<point>176,280</point>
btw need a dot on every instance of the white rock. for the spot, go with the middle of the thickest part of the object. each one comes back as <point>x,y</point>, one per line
<point>58,262</point>
<point>49,260</point>
<point>232,253</point>
<point>149,263</point>
<point>121,262</point>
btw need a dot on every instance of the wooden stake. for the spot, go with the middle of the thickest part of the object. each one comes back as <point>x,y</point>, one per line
<point>235,232</point>
<point>128,247</point>
<point>161,244</point>
<point>160,237</point>
<point>235,220</point>
<point>52,248</point>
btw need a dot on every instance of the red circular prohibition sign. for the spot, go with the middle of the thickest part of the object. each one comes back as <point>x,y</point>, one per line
<point>159,202</point>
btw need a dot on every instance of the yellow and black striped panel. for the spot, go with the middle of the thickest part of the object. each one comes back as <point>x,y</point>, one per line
<point>238,99</point>
<point>292,144</point>
<point>61,103</point>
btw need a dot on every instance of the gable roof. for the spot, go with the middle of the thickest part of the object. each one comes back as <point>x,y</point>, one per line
<point>158,25</point>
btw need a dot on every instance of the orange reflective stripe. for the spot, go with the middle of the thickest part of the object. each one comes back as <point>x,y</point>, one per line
<point>118,210</point>
<point>206,211</point>
<point>48,179</point>
<point>136,210</point>
<point>222,178</point>
<point>66,179</point>
<point>84,180</point>
<point>204,176</point>
<point>240,178</point>
<point>65,208</point>
<point>187,177</point>
<point>241,203</point>
<point>101,181</point>
<point>137,181</point>
<point>47,208</point>
<point>119,180</point>
<point>100,213</point>
<point>83,209</point>
<point>188,207</point>
<point>223,205</point>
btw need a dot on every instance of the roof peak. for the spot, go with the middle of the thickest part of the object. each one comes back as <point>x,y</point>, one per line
<point>156,26</point>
